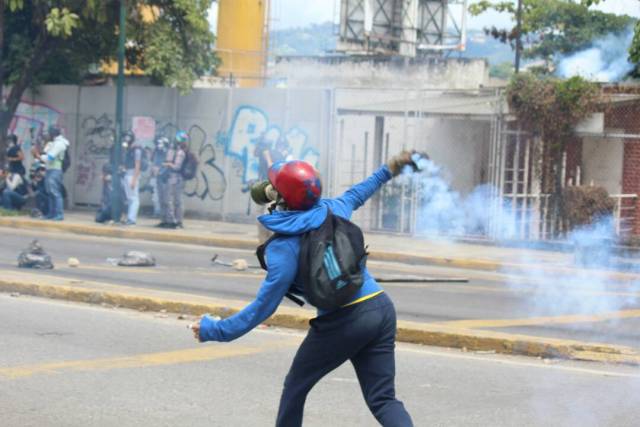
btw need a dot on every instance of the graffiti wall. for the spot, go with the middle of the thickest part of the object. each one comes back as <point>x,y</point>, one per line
<point>29,123</point>
<point>235,133</point>
<point>255,142</point>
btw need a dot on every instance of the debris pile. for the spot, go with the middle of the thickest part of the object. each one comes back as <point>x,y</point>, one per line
<point>35,257</point>
<point>137,259</point>
<point>239,264</point>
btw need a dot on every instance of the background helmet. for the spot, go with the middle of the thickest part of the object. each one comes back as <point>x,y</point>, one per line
<point>182,137</point>
<point>297,182</point>
<point>54,131</point>
<point>128,136</point>
<point>162,142</point>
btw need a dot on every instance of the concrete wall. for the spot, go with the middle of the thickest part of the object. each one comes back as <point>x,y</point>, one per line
<point>224,125</point>
<point>440,73</point>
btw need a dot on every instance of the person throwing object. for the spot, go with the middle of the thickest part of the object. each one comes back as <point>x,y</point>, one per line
<point>317,254</point>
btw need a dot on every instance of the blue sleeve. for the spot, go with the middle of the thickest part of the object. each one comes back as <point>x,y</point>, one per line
<point>357,195</point>
<point>281,274</point>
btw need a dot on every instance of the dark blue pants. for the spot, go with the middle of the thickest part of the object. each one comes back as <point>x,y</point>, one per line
<point>364,334</point>
<point>42,202</point>
<point>12,200</point>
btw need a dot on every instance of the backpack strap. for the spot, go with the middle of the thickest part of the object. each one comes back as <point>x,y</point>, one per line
<point>260,251</point>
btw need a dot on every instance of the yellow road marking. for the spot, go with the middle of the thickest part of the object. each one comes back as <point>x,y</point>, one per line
<point>210,352</point>
<point>548,320</point>
<point>507,361</point>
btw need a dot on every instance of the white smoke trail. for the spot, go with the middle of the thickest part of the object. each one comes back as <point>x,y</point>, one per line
<point>445,213</point>
<point>586,290</point>
<point>605,61</point>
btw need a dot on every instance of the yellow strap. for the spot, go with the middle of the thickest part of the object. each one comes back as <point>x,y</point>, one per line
<point>364,298</point>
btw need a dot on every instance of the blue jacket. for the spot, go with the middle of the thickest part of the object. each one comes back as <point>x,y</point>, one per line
<point>282,255</point>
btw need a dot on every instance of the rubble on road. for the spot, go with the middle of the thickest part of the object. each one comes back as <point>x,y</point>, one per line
<point>137,259</point>
<point>35,257</point>
<point>239,264</point>
<point>407,278</point>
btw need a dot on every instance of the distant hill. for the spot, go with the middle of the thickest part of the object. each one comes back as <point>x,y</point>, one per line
<point>318,39</point>
<point>315,39</point>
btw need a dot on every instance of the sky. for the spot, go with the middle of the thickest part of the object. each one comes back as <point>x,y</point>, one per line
<point>300,13</point>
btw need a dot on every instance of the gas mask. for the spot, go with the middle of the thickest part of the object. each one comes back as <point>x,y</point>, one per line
<point>263,193</point>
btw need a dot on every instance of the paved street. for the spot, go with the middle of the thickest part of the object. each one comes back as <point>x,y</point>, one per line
<point>542,306</point>
<point>66,364</point>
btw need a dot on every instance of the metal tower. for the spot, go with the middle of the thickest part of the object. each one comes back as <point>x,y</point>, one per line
<point>410,28</point>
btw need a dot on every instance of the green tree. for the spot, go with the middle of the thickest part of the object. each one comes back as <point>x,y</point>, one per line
<point>634,50</point>
<point>503,71</point>
<point>551,108</point>
<point>552,27</point>
<point>59,41</point>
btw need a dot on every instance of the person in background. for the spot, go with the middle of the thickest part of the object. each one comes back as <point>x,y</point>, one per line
<point>131,179</point>
<point>53,157</point>
<point>3,180</point>
<point>267,155</point>
<point>158,157</point>
<point>14,195</point>
<point>15,155</point>
<point>38,189</point>
<point>117,178</point>
<point>175,182</point>
<point>104,211</point>
<point>283,149</point>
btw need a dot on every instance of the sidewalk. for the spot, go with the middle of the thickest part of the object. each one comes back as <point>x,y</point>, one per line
<point>382,247</point>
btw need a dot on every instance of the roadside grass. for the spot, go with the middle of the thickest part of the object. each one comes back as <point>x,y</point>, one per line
<point>7,212</point>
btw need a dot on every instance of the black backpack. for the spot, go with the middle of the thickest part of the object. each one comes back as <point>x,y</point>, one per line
<point>130,158</point>
<point>330,264</point>
<point>189,166</point>
<point>66,160</point>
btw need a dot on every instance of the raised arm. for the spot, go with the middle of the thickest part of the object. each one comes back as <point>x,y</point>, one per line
<point>279,278</point>
<point>357,195</point>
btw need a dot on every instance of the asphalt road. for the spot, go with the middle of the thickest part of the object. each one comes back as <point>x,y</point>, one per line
<point>536,305</point>
<point>65,364</point>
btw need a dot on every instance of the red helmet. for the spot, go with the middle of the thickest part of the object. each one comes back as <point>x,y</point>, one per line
<point>297,182</point>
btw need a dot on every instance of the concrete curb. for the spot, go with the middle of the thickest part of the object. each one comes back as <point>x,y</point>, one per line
<point>251,244</point>
<point>410,332</point>
<point>128,233</point>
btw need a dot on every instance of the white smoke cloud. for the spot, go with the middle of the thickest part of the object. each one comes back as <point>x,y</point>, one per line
<point>444,213</point>
<point>606,61</point>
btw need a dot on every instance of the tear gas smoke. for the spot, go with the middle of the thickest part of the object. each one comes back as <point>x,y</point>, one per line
<point>605,61</point>
<point>444,213</point>
<point>584,290</point>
